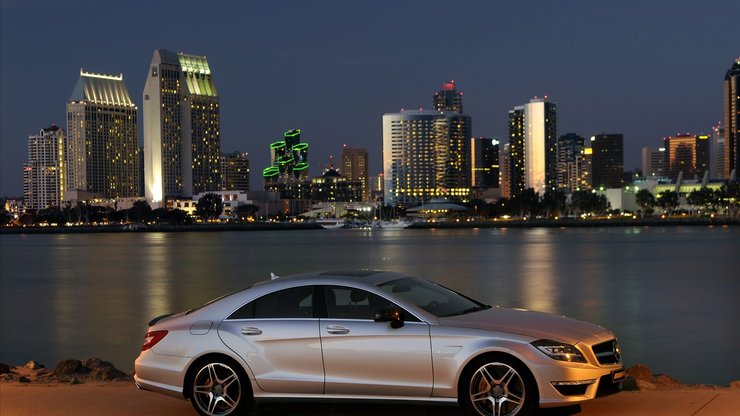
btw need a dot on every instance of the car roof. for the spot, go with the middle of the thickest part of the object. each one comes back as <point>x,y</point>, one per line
<point>369,277</point>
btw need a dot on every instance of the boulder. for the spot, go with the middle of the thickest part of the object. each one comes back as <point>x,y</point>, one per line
<point>34,365</point>
<point>735,385</point>
<point>103,370</point>
<point>666,382</point>
<point>67,368</point>
<point>640,372</point>
<point>4,368</point>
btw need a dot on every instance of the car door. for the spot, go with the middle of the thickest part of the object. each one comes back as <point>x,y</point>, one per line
<point>278,336</point>
<point>364,357</point>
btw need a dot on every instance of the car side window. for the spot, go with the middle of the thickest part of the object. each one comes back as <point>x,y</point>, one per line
<point>295,302</point>
<point>350,303</point>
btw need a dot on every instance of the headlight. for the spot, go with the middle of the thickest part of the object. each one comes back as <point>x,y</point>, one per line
<point>560,351</point>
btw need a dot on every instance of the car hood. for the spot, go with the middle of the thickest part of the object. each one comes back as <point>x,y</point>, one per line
<point>537,325</point>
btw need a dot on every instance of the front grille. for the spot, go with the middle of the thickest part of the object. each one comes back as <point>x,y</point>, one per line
<point>607,352</point>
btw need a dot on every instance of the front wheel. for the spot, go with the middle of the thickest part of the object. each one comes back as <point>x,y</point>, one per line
<point>219,389</point>
<point>498,386</point>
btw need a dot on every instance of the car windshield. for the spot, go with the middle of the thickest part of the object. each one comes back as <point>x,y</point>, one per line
<point>433,298</point>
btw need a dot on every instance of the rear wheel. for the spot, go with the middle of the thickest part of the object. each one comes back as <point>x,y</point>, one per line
<point>219,388</point>
<point>498,385</point>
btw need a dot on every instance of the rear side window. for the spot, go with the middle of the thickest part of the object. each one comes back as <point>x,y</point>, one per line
<point>297,302</point>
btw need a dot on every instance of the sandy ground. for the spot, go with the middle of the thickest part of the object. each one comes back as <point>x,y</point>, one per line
<point>123,399</point>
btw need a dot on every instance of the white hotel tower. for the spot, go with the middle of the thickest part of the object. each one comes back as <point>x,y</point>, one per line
<point>182,128</point>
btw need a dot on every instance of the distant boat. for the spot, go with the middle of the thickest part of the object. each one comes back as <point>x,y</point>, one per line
<point>392,224</point>
<point>330,223</point>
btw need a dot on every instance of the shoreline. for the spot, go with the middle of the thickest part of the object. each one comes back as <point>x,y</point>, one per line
<point>465,224</point>
<point>122,398</point>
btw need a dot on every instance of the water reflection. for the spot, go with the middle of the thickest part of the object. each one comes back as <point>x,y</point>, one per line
<point>157,275</point>
<point>538,286</point>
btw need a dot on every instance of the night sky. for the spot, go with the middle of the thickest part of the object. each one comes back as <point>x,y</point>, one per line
<point>643,68</point>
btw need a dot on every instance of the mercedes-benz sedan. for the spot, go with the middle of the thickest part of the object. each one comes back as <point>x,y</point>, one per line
<point>373,335</point>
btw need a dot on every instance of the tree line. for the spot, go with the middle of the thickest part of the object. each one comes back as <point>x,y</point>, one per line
<point>209,207</point>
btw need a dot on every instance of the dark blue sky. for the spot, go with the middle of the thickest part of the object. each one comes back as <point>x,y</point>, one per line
<point>643,68</point>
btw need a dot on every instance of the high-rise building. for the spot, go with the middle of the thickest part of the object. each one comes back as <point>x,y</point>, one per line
<point>732,120</point>
<point>532,140</point>
<point>332,186</point>
<point>235,171</point>
<point>354,167</point>
<point>505,176</point>
<point>484,160</point>
<point>569,147</point>
<point>44,172</point>
<point>448,98</point>
<point>426,155</point>
<point>607,161</point>
<point>717,152</point>
<point>182,127</point>
<point>584,169</point>
<point>102,149</point>
<point>288,170</point>
<point>688,154</point>
<point>653,162</point>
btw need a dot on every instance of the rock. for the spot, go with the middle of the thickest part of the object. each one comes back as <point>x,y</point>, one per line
<point>23,379</point>
<point>666,382</point>
<point>645,385</point>
<point>4,368</point>
<point>735,385</point>
<point>67,367</point>
<point>34,365</point>
<point>74,380</point>
<point>630,384</point>
<point>640,372</point>
<point>103,370</point>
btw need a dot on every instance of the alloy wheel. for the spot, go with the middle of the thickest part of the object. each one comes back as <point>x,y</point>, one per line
<point>497,389</point>
<point>217,389</point>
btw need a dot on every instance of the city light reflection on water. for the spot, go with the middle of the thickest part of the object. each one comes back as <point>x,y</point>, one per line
<point>670,294</point>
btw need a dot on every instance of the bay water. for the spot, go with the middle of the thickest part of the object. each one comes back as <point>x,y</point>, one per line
<point>671,294</point>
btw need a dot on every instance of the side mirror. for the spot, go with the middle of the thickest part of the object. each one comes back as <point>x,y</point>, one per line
<point>392,315</point>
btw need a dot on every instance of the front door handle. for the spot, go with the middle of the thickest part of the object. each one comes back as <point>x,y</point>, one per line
<point>250,330</point>
<point>337,329</point>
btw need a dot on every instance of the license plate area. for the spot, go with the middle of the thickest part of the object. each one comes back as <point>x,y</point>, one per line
<point>618,375</point>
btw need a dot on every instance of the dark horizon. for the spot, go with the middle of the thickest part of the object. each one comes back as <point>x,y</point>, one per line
<point>643,69</point>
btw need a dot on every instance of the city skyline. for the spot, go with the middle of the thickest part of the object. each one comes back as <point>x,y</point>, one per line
<point>609,68</point>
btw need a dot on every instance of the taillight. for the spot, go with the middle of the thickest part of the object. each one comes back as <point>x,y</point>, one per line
<point>152,338</point>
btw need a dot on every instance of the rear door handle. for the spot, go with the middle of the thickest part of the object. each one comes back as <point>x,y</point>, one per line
<point>250,330</point>
<point>337,329</point>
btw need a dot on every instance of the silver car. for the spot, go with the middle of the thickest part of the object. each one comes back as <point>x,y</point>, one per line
<point>373,335</point>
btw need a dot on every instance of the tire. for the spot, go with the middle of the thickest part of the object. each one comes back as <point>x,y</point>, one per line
<point>498,385</point>
<point>219,387</point>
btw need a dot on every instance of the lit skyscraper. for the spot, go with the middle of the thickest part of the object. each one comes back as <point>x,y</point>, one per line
<point>717,152</point>
<point>102,138</point>
<point>688,154</point>
<point>182,127</point>
<point>426,155</point>
<point>354,167</point>
<point>569,148</point>
<point>44,171</point>
<point>653,161</point>
<point>607,161</point>
<point>485,162</point>
<point>235,171</point>
<point>448,98</point>
<point>532,139</point>
<point>505,176</point>
<point>732,120</point>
